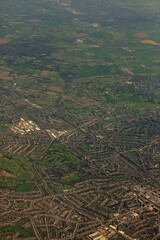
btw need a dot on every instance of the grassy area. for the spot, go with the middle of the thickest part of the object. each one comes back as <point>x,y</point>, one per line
<point>25,187</point>
<point>24,232</point>
<point>87,146</point>
<point>132,154</point>
<point>60,157</point>
<point>69,179</point>
<point>124,138</point>
<point>4,229</point>
<point>118,238</point>
<point>97,70</point>
<point>16,170</point>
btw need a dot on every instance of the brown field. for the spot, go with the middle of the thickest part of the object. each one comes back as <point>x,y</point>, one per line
<point>4,78</point>
<point>151,42</point>
<point>6,174</point>
<point>4,41</point>
<point>85,102</point>
<point>9,36</point>
<point>5,75</point>
<point>142,35</point>
<point>94,46</point>
<point>55,90</point>
<point>148,4</point>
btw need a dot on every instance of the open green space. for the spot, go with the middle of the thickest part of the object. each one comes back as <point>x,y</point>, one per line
<point>117,238</point>
<point>60,157</point>
<point>23,231</point>
<point>15,172</point>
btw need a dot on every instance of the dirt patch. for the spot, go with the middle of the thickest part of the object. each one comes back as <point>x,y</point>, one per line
<point>94,46</point>
<point>5,74</point>
<point>151,42</point>
<point>86,102</point>
<point>4,41</point>
<point>148,4</point>
<point>126,70</point>
<point>55,90</point>
<point>9,36</point>
<point>45,73</point>
<point>6,174</point>
<point>142,35</point>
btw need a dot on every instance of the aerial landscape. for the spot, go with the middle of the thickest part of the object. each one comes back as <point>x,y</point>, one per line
<point>80,120</point>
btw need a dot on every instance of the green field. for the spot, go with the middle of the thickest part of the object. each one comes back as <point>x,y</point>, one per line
<point>17,171</point>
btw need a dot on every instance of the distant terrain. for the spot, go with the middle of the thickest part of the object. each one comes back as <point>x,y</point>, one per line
<point>80,119</point>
